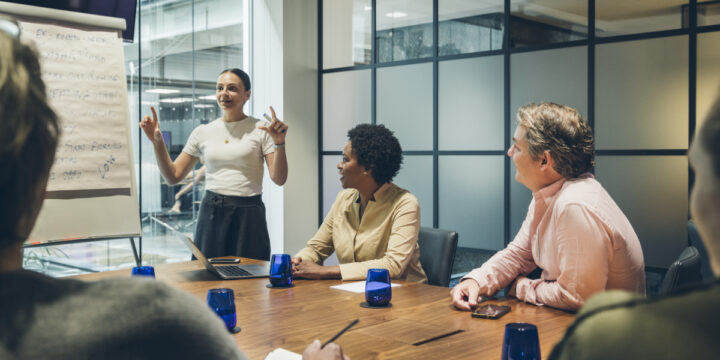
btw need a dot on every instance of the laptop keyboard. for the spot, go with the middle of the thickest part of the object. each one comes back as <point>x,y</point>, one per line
<point>232,271</point>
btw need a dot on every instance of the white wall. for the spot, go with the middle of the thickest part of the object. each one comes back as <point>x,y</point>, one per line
<point>284,40</point>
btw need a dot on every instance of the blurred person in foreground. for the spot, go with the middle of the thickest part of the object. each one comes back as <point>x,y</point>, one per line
<point>682,325</point>
<point>373,222</point>
<point>574,232</point>
<point>43,317</point>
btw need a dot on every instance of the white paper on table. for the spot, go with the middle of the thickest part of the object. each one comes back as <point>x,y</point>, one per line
<point>356,287</point>
<point>282,354</point>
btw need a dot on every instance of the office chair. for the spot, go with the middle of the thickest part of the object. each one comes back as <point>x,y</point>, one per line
<point>437,254</point>
<point>696,241</point>
<point>683,273</point>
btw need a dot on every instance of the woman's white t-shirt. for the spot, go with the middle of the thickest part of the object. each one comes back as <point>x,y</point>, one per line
<point>233,154</point>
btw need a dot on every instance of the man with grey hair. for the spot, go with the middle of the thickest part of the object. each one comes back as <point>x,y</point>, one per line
<point>573,230</point>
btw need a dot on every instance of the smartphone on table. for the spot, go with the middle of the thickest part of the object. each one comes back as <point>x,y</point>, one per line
<point>490,311</point>
<point>224,261</point>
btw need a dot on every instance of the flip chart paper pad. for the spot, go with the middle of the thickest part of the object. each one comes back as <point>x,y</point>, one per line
<point>86,86</point>
<point>356,287</point>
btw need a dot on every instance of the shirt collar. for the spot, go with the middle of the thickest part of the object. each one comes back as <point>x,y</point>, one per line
<point>380,194</point>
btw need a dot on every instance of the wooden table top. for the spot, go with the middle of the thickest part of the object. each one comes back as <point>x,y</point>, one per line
<point>292,318</point>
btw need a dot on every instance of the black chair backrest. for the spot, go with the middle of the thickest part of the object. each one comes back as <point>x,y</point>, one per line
<point>683,273</point>
<point>696,241</point>
<point>437,254</point>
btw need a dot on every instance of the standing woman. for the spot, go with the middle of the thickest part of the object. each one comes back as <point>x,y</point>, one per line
<point>232,214</point>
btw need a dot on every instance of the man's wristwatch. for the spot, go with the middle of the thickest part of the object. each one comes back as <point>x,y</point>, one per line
<point>280,145</point>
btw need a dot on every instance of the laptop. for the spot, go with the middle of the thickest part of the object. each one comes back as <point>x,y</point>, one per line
<point>228,272</point>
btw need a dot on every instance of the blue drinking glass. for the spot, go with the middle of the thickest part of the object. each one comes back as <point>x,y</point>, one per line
<point>280,270</point>
<point>222,302</point>
<point>148,271</point>
<point>521,342</point>
<point>377,287</point>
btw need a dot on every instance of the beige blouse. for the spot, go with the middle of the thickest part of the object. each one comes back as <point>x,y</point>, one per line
<point>386,237</point>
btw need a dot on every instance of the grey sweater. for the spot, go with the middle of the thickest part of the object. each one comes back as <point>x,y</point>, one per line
<point>134,318</point>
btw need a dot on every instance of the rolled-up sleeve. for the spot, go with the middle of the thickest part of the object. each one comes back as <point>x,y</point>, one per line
<point>507,264</point>
<point>583,254</point>
<point>401,244</point>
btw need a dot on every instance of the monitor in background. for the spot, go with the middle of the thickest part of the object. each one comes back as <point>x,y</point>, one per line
<point>116,8</point>
<point>167,138</point>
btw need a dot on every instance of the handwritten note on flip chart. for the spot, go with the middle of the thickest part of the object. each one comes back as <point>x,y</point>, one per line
<point>86,86</point>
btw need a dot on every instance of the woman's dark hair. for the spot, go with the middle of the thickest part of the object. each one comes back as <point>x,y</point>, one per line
<point>244,77</point>
<point>29,133</point>
<point>377,149</point>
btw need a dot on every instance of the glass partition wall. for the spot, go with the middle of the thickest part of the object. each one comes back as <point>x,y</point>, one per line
<point>179,49</point>
<point>447,76</point>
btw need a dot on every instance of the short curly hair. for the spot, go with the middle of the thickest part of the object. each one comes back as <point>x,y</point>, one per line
<point>560,130</point>
<point>377,149</point>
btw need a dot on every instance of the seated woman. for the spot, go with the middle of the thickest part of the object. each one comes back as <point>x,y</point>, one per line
<point>373,223</point>
<point>44,317</point>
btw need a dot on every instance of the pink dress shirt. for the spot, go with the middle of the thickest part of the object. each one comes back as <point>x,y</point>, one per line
<point>581,239</point>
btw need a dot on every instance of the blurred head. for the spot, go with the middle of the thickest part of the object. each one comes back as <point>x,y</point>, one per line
<point>704,157</point>
<point>373,154</point>
<point>233,89</point>
<point>29,133</point>
<point>551,140</point>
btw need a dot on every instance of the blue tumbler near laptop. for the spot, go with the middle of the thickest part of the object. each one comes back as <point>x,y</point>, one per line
<point>148,271</point>
<point>280,270</point>
<point>222,302</point>
<point>521,342</point>
<point>377,288</point>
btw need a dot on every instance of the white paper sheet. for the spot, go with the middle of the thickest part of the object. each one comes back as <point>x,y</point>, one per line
<point>282,354</point>
<point>86,86</point>
<point>356,287</point>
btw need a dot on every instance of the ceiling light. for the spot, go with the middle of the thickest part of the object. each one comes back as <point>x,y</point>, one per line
<point>176,100</point>
<point>204,105</point>
<point>208,97</point>
<point>396,14</point>
<point>368,7</point>
<point>162,91</point>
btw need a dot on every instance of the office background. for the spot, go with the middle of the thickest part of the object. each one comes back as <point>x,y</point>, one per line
<point>447,77</point>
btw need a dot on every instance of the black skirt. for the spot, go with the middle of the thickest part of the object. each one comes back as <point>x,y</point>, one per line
<point>232,226</point>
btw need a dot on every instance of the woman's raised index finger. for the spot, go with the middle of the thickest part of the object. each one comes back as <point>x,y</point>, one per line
<point>273,113</point>
<point>155,118</point>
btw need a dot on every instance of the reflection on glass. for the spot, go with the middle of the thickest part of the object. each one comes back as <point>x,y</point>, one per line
<point>345,103</point>
<point>404,29</point>
<point>346,32</point>
<point>538,22</point>
<point>641,87</point>
<point>466,26</point>
<point>657,209</point>
<point>708,13</point>
<point>619,17</point>
<point>708,74</point>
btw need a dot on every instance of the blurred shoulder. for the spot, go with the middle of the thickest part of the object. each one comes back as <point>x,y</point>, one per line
<point>620,325</point>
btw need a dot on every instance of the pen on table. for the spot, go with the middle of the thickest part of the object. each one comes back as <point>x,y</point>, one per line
<point>270,120</point>
<point>341,332</point>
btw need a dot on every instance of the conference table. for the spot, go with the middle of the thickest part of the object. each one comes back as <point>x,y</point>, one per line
<point>420,324</point>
